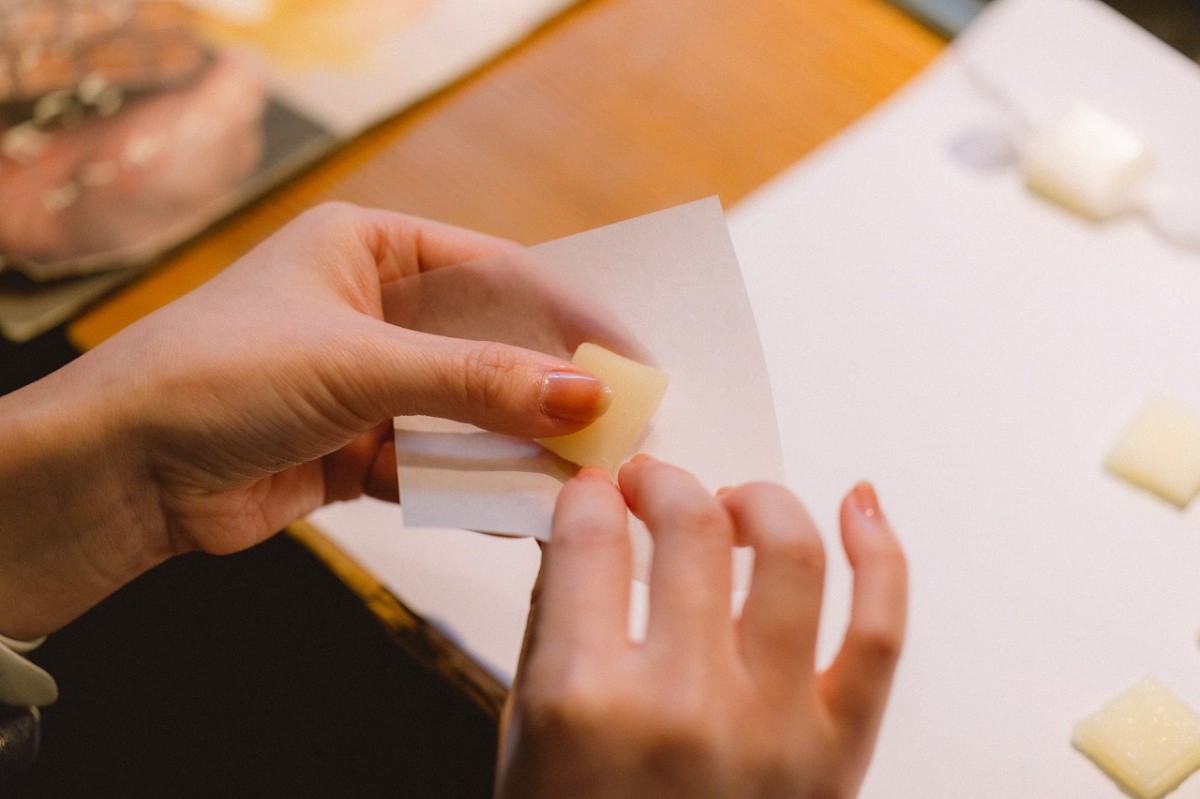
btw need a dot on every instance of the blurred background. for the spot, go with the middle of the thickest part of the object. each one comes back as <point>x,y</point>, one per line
<point>1176,22</point>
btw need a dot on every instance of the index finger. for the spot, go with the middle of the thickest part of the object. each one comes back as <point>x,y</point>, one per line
<point>403,244</point>
<point>354,250</point>
<point>691,571</point>
<point>587,568</point>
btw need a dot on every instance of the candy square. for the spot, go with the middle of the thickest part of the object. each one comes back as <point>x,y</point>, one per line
<point>637,390</point>
<point>1145,739</point>
<point>1160,451</point>
<point>1086,162</point>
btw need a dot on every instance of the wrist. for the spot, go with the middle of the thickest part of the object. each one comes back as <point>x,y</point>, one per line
<point>78,518</point>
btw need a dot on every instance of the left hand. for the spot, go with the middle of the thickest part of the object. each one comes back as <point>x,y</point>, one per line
<point>248,403</point>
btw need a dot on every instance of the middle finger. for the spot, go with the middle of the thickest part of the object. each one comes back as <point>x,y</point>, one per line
<point>690,576</point>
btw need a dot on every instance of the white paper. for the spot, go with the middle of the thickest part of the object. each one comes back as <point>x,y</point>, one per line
<point>666,286</point>
<point>975,350</point>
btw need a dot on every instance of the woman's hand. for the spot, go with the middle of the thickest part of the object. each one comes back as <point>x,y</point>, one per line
<point>707,705</point>
<point>248,403</point>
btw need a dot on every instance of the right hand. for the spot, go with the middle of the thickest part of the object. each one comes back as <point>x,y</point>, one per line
<point>706,706</point>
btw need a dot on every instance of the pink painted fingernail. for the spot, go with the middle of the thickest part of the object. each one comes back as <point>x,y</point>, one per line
<point>865,501</point>
<point>574,396</point>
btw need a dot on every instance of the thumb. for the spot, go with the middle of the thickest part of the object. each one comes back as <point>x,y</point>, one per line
<point>494,386</point>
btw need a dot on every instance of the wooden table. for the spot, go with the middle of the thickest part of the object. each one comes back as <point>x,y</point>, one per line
<point>617,108</point>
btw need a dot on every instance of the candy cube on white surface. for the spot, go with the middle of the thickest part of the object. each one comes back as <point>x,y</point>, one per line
<point>1146,739</point>
<point>1160,451</point>
<point>637,390</point>
<point>1087,162</point>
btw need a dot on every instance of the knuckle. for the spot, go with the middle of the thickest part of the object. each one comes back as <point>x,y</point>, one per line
<point>801,552</point>
<point>487,375</point>
<point>878,647</point>
<point>676,724</point>
<point>329,227</point>
<point>681,744</point>
<point>329,215</point>
<point>576,710</point>
<point>701,518</point>
<point>559,715</point>
<point>681,726</point>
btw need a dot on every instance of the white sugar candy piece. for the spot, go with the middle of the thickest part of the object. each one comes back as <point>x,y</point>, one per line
<point>1146,739</point>
<point>637,390</point>
<point>1086,162</point>
<point>1160,451</point>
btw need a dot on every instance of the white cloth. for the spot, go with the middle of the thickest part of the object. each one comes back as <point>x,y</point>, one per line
<point>23,683</point>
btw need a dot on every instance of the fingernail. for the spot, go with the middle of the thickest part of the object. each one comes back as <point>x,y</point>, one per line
<point>593,473</point>
<point>723,490</point>
<point>641,457</point>
<point>865,501</point>
<point>574,397</point>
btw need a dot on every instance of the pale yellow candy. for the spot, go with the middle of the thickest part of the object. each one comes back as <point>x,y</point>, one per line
<point>637,390</point>
<point>1146,739</point>
<point>1086,162</point>
<point>1160,451</point>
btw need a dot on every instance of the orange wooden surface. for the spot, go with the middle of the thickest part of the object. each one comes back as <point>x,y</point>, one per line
<point>617,108</point>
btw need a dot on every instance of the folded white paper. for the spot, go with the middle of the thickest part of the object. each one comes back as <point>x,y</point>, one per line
<point>663,288</point>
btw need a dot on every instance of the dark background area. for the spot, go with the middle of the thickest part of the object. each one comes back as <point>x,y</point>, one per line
<point>1177,22</point>
<point>258,674</point>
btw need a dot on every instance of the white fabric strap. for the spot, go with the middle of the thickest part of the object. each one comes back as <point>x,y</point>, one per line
<point>22,683</point>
